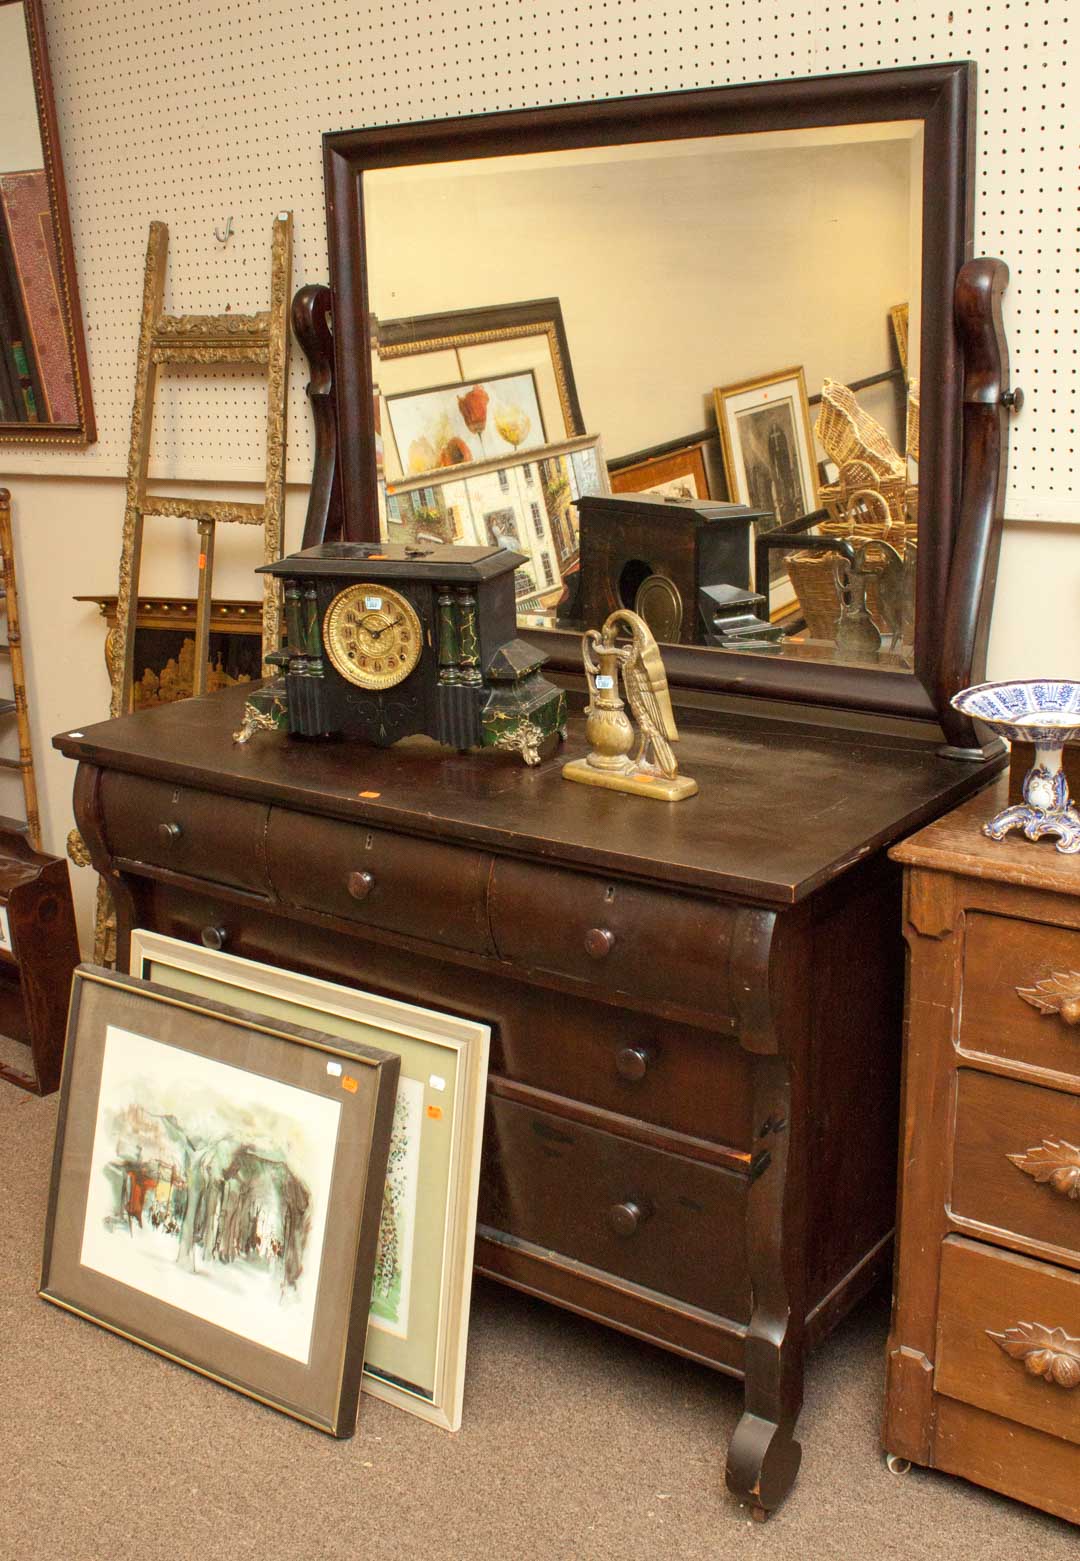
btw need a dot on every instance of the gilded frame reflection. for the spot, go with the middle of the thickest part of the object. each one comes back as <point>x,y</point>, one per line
<point>940,98</point>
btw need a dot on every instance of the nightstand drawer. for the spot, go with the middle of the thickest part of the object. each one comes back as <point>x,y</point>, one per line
<point>1005,1012</point>
<point>1016,1162</point>
<point>673,1225</point>
<point>420,888</point>
<point>659,947</point>
<point>1009,1337</point>
<point>195,833</point>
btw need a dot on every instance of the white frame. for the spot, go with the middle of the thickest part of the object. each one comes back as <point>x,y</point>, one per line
<point>469,1040</point>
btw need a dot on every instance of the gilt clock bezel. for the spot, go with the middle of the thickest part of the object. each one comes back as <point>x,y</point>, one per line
<point>333,638</point>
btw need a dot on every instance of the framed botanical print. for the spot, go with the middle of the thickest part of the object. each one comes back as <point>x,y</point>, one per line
<point>464,347</point>
<point>676,474</point>
<point>420,1293</point>
<point>769,459</point>
<point>453,425</point>
<point>217,1188</point>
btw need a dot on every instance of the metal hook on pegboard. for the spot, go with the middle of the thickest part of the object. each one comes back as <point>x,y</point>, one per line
<point>223,238</point>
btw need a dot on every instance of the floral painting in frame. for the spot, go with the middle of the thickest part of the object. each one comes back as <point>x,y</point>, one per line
<point>460,424</point>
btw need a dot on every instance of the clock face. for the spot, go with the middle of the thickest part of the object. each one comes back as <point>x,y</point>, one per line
<point>372,636</point>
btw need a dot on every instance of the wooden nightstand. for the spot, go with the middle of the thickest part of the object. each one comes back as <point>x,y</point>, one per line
<point>984,1353</point>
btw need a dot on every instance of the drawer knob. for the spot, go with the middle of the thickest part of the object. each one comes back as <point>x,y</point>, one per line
<point>1053,1162</point>
<point>599,942</point>
<point>632,1063</point>
<point>169,832</point>
<point>360,885</point>
<point>1045,1352</point>
<point>214,937</point>
<point>627,1217</point>
<point>1058,994</point>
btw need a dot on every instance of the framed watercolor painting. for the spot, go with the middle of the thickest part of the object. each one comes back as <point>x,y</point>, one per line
<point>769,458</point>
<point>462,423</point>
<point>217,1188</point>
<point>527,503</point>
<point>676,474</point>
<point>416,1342</point>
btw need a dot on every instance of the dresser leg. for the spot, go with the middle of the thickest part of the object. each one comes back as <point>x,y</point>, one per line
<point>764,1456</point>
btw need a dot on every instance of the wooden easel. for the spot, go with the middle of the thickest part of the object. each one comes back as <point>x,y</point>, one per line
<point>11,646</point>
<point>203,339</point>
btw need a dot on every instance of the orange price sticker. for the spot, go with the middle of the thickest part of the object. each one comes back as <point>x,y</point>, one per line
<point>202,560</point>
<point>349,1083</point>
<point>435,1113</point>
<point>369,795</point>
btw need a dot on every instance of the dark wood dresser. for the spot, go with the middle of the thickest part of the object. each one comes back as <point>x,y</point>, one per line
<point>984,1354</point>
<point>696,1008</point>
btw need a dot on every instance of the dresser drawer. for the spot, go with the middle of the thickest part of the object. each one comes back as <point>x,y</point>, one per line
<point>420,888</point>
<point>1016,1161</point>
<point>655,946</point>
<point>653,1218</point>
<point>217,838</point>
<point>673,1075</point>
<point>1009,1337</point>
<point>1003,1012</point>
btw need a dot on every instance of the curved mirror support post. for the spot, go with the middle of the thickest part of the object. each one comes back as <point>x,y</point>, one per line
<point>44,379</point>
<point>734,306</point>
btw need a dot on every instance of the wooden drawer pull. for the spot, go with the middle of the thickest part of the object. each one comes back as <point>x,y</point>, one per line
<point>632,1063</point>
<point>1045,1352</point>
<point>1058,994</point>
<point>1053,1162</point>
<point>599,942</point>
<point>360,885</point>
<point>626,1218</point>
<point>169,832</point>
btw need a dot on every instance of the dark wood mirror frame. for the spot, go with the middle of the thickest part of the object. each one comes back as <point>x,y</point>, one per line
<point>963,367</point>
<point>83,431</point>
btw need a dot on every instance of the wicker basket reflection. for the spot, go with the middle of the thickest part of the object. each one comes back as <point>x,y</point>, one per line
<point>848,433</point>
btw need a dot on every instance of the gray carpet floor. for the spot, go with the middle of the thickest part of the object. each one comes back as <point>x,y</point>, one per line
<point>577,1444</point>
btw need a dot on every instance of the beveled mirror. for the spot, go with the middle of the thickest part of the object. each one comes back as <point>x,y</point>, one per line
<point>720,259</point>
<point>44,379</point>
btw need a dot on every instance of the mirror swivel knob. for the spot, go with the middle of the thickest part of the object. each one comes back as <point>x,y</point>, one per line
<point>169,832</point>
<point>632,1063</point>
<point>214,937</point>
<point>625,1218</point>
<point>360,885</point>
<point>599,942</point>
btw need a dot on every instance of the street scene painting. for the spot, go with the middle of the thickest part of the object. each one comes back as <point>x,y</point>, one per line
<point>397,1227</point>
<point>209,1189</point>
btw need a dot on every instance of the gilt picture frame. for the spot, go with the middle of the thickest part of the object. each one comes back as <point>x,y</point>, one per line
<point>676,474</point>
<point>216,1190</point>
<point>418,1329</point>
<point>769,461</point>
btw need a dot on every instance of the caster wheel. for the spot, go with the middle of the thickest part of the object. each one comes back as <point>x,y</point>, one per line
<point>897,1465</point>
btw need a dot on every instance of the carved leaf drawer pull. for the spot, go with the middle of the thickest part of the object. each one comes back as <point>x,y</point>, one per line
<point>1055,1162</point>
<point>1058,994</point>
<point>1045,1352</point>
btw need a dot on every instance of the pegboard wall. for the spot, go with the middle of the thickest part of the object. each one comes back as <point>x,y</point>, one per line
<point>194,110</point>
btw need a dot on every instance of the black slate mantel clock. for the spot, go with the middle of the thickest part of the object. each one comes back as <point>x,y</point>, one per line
<point>385,641</point>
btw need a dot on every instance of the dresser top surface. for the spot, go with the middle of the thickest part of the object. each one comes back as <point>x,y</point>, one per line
<point>955,843</point>
<point>781,810</point>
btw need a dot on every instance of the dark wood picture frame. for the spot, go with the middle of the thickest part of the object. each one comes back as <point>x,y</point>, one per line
<point>642,471</point>
<point>323,1389</point>
<point>84,430</point>
<point>958,540</point>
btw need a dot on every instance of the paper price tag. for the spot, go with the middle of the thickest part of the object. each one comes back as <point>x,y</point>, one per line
<point>334,1069</point>
<point>372,603</point>
<point>605,680</point>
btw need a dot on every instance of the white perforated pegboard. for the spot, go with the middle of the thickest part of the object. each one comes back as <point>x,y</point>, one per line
<point>192,110</point>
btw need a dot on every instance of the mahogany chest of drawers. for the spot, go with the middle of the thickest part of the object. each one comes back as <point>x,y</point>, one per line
<point>695,1009</point>
<point>984,1353</point>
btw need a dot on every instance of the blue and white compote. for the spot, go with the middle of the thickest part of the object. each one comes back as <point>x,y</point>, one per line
<point>1046,712</point>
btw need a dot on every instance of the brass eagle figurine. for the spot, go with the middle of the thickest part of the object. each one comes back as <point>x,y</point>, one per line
<point>626,645</point>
